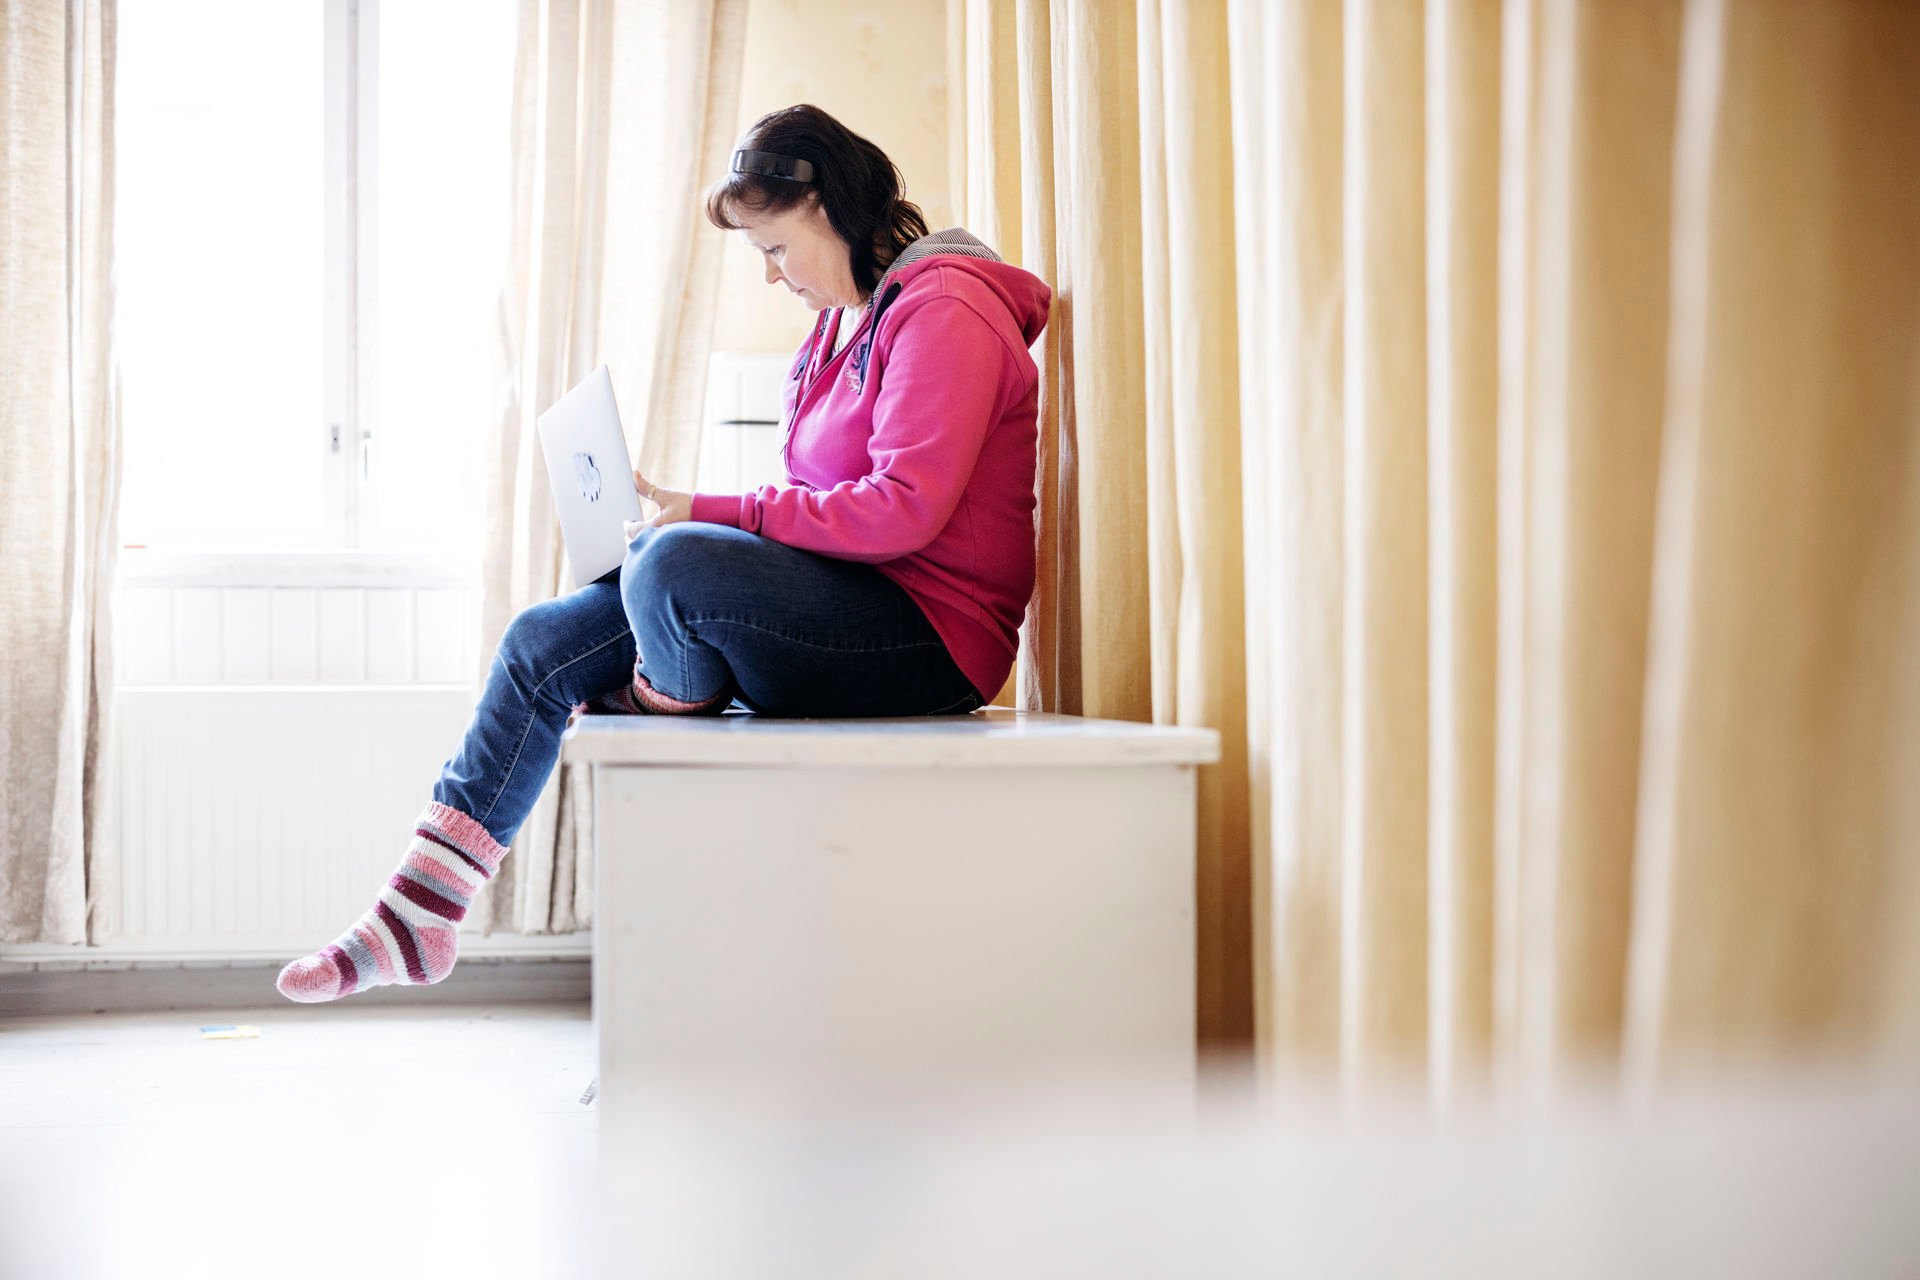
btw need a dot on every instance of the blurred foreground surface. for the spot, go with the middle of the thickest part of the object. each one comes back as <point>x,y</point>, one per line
<point>1815,1175</point>
<point>454,1144</point>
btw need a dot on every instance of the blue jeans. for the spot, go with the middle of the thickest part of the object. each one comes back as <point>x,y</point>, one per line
<point>703,608</point>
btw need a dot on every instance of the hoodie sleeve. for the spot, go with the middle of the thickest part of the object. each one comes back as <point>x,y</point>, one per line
<point>938,397</point>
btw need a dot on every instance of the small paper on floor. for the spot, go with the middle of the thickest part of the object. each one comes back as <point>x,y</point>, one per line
<point>246,1031</point>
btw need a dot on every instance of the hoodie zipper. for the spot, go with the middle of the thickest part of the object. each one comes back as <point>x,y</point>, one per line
<point>803,375</point>
<point>811,368</point>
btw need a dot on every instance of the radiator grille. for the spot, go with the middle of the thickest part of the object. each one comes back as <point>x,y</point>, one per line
<point>255,818</point>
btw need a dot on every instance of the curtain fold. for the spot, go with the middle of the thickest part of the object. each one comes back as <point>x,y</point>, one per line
<point>1775,759</point>
<point>623,112</point>
<point>1528,498</point>
<point>1047,667</point>
<point>60,457</point>
<point>1193,498</point>
<point>1383,464</point>
<point>1463,134</point>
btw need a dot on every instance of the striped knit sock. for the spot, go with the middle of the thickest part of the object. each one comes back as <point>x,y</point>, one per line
<point>642,692</point>
<point>638,697</point>
<point>410,934</point>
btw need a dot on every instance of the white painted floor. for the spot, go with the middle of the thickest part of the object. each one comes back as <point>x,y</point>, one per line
<point>441,1141</point>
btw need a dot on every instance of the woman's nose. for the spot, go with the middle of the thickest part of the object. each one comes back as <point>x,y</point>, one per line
<point>773,273</point>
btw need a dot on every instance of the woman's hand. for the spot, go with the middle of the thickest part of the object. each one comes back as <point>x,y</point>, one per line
<point>673,506</point>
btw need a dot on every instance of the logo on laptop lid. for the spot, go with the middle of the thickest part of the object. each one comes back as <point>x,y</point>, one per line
<point>587,475</point>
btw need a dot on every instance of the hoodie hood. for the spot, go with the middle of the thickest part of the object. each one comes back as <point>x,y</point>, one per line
<point>1025,295</point>
<point>954,240</point>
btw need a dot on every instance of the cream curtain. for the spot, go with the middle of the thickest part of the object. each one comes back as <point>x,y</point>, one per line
<point>623,111</point>
<point>59,471</point>
<point>1500,421</point>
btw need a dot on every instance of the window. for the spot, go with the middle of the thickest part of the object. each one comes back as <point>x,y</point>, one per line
<point>312,204</point>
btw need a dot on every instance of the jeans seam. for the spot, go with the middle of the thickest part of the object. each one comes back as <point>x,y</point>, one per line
<point>532,713</point>
<point>686,672</point>
<point>615,638</point>
<point>506,774</point>
<point>830,648</point>
<point>956,702</point>
<point>686,649</point>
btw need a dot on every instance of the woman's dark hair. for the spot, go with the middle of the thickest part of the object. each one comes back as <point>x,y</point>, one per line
<point>860,188</point>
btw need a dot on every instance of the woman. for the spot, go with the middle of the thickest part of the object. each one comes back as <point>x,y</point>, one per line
<point>888,577</point>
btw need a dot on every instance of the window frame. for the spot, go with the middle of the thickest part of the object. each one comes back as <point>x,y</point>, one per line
<point>352,167</point>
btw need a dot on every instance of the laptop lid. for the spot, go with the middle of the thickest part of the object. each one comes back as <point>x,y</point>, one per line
<point>591,476</point>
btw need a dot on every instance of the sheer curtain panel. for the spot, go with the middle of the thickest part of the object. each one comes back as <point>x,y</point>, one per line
<point>59,471</point>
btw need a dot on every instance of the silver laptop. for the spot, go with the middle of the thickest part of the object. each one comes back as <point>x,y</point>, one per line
<point>592,478</point>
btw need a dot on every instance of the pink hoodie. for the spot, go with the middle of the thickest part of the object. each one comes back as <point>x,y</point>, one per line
<point>924,466</point>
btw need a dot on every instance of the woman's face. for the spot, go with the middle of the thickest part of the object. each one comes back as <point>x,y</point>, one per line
<point>800,249</point>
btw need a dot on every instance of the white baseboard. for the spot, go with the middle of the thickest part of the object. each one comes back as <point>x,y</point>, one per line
<point>54,957</point>
<point>33,990</point>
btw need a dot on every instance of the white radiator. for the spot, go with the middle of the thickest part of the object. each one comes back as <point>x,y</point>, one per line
<point>256,819</point>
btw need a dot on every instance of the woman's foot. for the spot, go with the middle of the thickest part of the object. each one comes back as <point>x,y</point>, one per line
<point>638,697</point>
<point>410,934</point>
